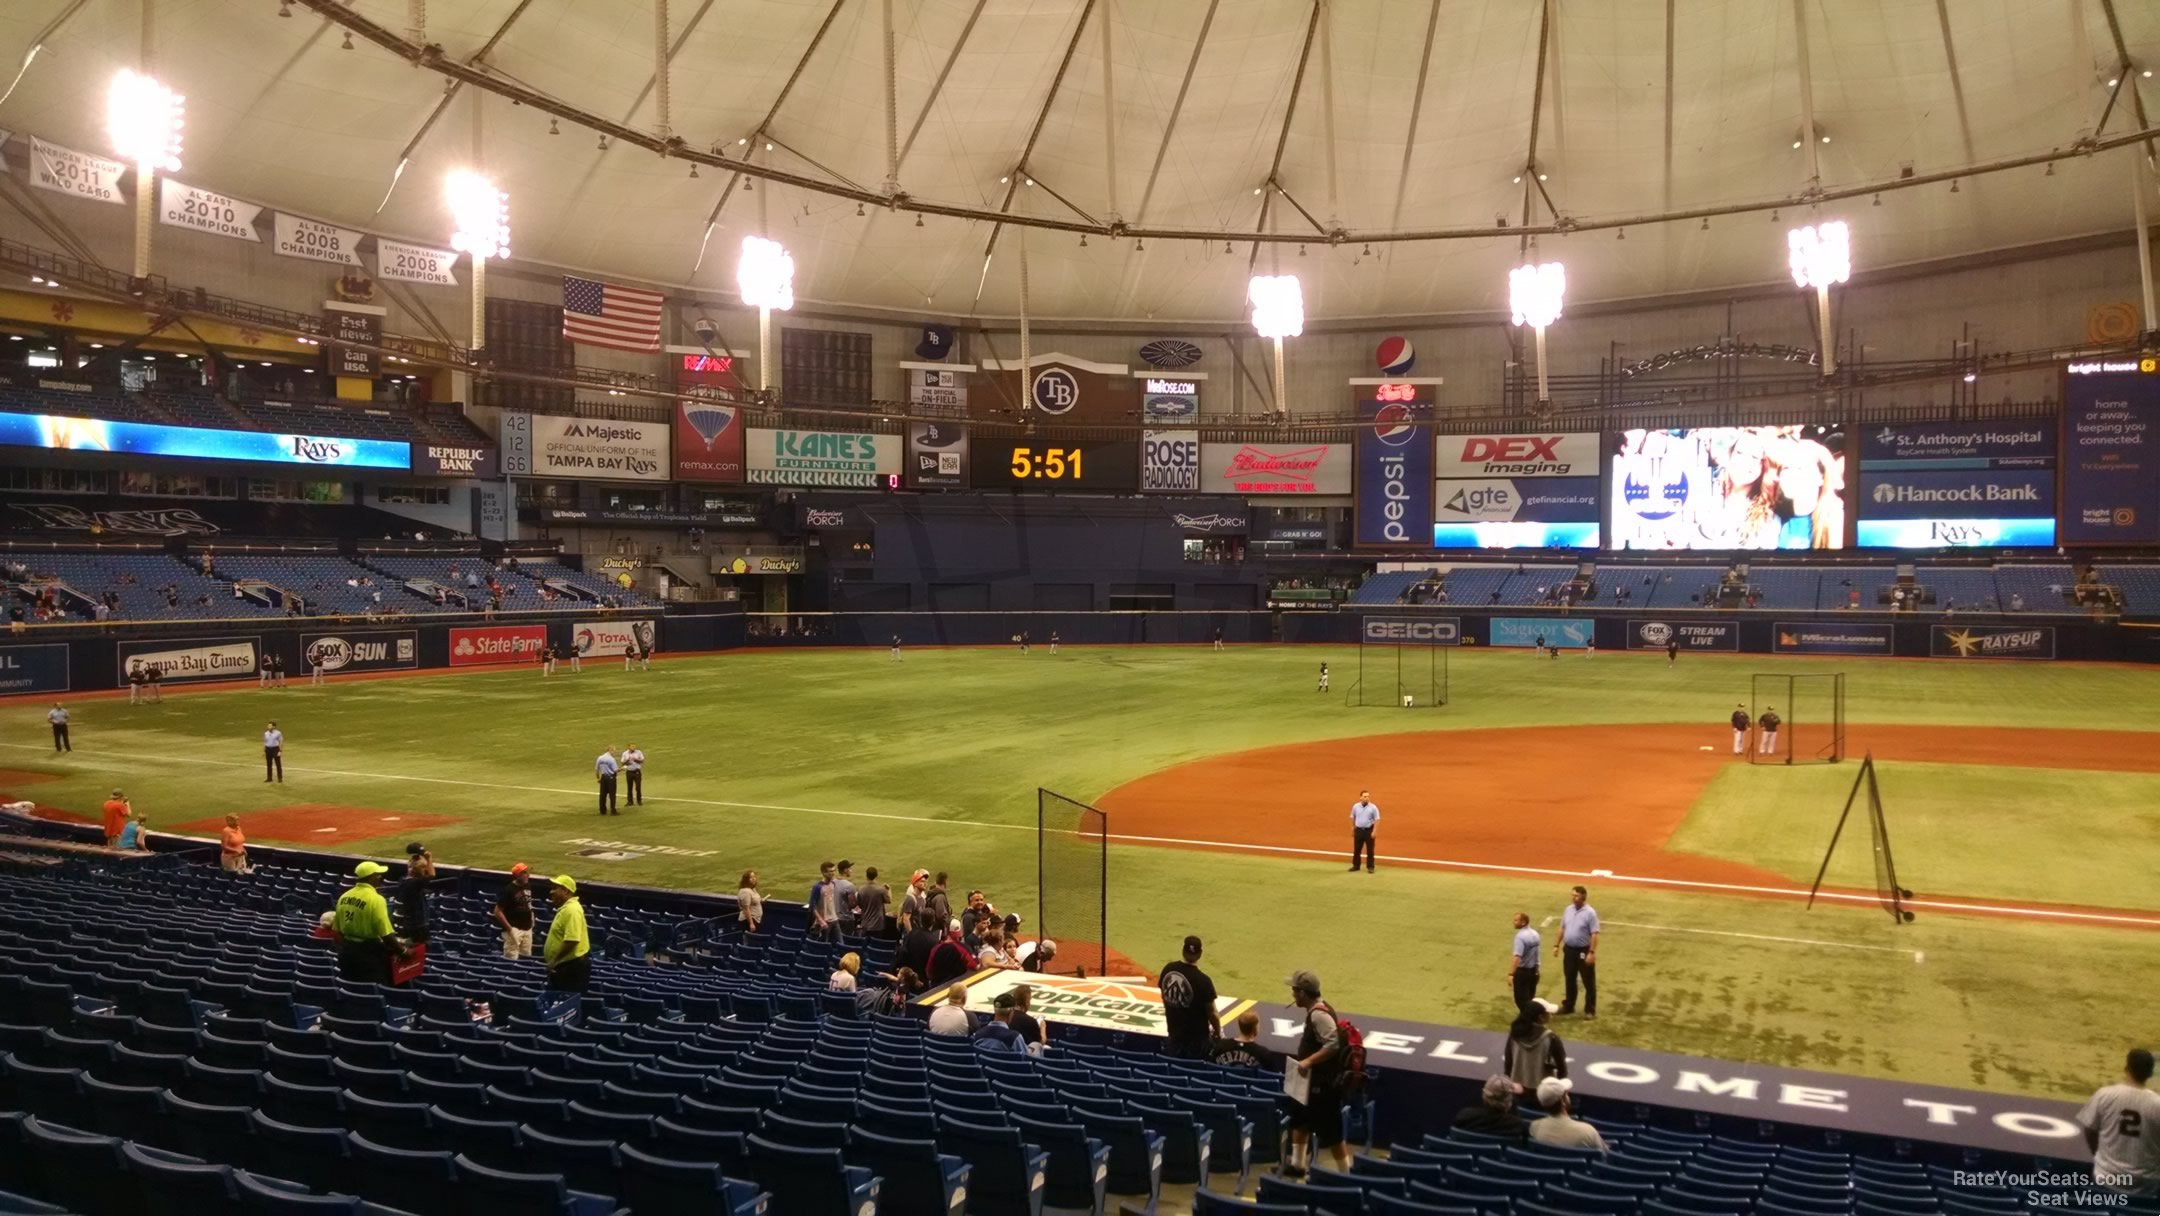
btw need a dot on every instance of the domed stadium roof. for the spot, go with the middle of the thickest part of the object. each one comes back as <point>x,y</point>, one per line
<point>1469,120</point>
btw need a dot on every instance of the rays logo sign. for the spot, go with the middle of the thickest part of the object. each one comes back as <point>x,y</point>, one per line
<point>1056,391</point>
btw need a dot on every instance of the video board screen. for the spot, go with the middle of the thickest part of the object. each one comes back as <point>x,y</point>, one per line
<point>1730,487</point>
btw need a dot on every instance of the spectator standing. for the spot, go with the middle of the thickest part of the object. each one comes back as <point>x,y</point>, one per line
<point>1560,1128</point>
<point>2122,1128</point>
<point>1188,998</point>
<point>569,944</point>
<point>843,976</point>
<point>844,894</point>
<point>949,960</point>
<point>1364,820</point>
<point>1246,1050</point>
<point>1577,949</point>
<point>998,1034</point>
<point>913,901</point>
<point>273,753</point>
<point>824,903</point>
<point>1317,1118</point>
<point>749,905</point>
<point>871,900</point>
<point>604,769</point>
<point>915,947</point>
<point>361,922</point>
<point>951,1018</point>
<point>413,893</point>
<point>936,904</point>
<point>633,771</point>
<point>1494,1114</point>
<point>1532,1051</point>
<point>116,812</point>
<point>1523,962</point>
<point>513,913</point>
<point>232,847</point>
<point>58,716</point>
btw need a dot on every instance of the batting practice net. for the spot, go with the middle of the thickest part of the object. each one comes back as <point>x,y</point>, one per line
<point>1811,712</point>
<point>1072,882</point>
<point>1887,891</point>
<point>1401,674</point>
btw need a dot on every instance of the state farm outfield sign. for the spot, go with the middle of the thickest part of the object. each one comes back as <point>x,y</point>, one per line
<point>192,661</point>
<point>1411,630</point>
<point>496,644</point>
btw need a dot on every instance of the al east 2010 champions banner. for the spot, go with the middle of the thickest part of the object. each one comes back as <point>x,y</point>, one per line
<point>600,448</point>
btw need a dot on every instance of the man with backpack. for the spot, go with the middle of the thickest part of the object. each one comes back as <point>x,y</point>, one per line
<point>1331,1060</point>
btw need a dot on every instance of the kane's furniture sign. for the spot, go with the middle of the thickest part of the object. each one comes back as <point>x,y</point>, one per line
<point>27,669</point>
<point>1991,642</point>
<point>1657,635</point>
<point>62,433</point>
<point>1832,637</point>
<point>600,448</point>
<point>2111,453</point>
<point>475,646</point>
<point>1286,467</point>
<point>822,458</point>
<point>381,650</point>
<point>193,661</point>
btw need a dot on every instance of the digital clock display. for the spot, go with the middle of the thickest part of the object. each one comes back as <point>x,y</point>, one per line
<point>1050,464</point>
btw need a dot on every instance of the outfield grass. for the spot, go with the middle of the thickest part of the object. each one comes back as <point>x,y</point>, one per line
<point>776,760</point>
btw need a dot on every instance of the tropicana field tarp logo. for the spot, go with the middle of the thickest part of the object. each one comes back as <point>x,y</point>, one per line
<point>1129,1004</point>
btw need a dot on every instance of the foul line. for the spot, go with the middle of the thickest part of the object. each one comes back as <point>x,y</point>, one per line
<point>1764,937</point>
<point>2144,922</point>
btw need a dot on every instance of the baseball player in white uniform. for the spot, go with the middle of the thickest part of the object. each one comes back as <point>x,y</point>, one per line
<point>2122,1128</point>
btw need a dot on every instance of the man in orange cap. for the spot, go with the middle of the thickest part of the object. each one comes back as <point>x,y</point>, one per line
<point>513,913</point>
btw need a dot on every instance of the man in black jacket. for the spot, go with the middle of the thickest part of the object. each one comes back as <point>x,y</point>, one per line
<point>1494,1115</point>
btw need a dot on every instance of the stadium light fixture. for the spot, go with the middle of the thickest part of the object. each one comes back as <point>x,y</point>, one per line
<point>1534,294</point>
<point>480,227</point>
<point>1821,254</point>
<point>1278,312</point>
<point>144,119</point>
<point>765,275</point>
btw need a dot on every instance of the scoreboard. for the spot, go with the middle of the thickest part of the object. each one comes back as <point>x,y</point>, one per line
<point>1101,465</point>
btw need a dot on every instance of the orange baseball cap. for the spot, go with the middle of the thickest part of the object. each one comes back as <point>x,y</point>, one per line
<point>520,868</point>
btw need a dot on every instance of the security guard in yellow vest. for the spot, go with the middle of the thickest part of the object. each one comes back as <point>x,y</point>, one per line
<point>366,940</point>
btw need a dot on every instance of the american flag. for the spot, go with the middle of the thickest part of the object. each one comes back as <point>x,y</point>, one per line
<point>608,314</point>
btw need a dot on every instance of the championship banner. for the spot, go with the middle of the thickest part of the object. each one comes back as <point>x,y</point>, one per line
<point>1526,630</point>
<point>1166,400</point>
<point>81,174</point>
<point>191,661</point>
<point>1832,637</point>
<point>353,323</point>
<point>822,458</point>
<point>601,448</point>
<point>1410,630</point>
<point>1170,462</point>
<point>316,241</point>
<point>606,639</point>
<point>478,645</point>
<point>1657,635</point>
<point>1394,502</point>
<point>386,650</point>
<point>708,441</point>
<point>1991,642</point>
<point>28,669</point>
<point>937,455</point>
<point>193,207</point>
<point>400,262</point>
<point>1246,469</point>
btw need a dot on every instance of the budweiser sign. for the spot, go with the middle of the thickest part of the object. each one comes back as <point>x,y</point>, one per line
<point>1251,468</point>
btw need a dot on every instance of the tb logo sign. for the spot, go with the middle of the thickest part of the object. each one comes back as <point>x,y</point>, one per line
<point>1055,390</point>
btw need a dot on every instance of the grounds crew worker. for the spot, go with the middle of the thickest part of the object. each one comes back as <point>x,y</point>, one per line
<point>568,953</point>
<point>366,941</point>
<point>57,715</point>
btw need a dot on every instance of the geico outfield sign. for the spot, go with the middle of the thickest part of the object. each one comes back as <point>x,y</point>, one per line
<point>1126,1003</point>
<point>1411,630</point>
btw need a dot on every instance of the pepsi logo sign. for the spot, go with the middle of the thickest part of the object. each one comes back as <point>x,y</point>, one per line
<point>1396,356</point>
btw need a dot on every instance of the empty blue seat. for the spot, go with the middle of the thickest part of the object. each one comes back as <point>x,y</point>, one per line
<point>582,1120</point>
<point>1078,1169</point>
<point>650,1183</point>
<point>916,1176</point>
<point>204,1129</point>
<point>416,1181</point>
<point>81,1170</point>
<point>53,1093</point>
<point>131,1112</point>
<point>12,1204</point>
<point>1208,1203</point>
<point>169,1184</point>
<point>803,1133</point>
<point>1007,1174</point>
<point>811,1181</point>
<point>1135,1152</point>
<point>491,1142</point>
<point>546,1193</point>
<point>587,1165</point>
<point>273,1197</point>
<point>387,1083</point>
<point>304,1104</point>
<point>224,1086</point>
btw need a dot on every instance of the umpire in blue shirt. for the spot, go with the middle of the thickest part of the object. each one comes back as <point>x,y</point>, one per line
<point>604,768</point>
<point>1578,951</point>
<point>1364,817</point>
<point>1522,968</point>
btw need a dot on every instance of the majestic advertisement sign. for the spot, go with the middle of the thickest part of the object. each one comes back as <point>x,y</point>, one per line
<point>382,650</point>
<point>1286,467</point>
<point>1394,467</point>
<point>2111,455</point>
<point>478,645</point>
<point>1556,630</point>
<point>57,432</point>
<point>606,639</point>
<point>193,207</point>
<point>1935,486</point>
<point>1170,462</point>
<point>937,455</point>
<point>452,460</point>
<point>1730,487</point>
<point>192,661</point>
<point>708,441</point>
<point>1410,630</point>
<point>600,448</point>
<point>1657,635</point>
<point>1832,637</point>
<point>822,458</point>
<point>1168,400</point>
<point>26,669</point>
<point>1537,454</point>
<point>1992,642</point>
